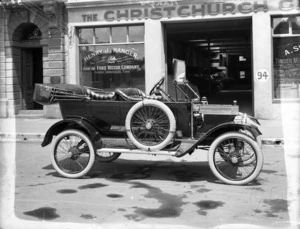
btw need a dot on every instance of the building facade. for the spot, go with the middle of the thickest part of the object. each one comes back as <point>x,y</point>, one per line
<point>253,45</point>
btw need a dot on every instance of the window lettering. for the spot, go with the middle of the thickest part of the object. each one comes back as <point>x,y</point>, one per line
<point>109,61</point>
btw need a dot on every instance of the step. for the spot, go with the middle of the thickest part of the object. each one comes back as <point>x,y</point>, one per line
<point>30,114</point>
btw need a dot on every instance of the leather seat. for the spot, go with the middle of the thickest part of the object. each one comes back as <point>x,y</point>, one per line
<point>121,94</point>
<point>133,94</point>
<point>100,96</point>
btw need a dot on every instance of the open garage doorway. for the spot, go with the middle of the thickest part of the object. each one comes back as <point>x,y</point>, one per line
<point>218,58</point>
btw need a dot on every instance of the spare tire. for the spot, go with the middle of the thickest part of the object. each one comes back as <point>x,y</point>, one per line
<point>150,125</point>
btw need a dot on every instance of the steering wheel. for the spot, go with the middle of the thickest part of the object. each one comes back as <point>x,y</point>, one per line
<point>157,85</point>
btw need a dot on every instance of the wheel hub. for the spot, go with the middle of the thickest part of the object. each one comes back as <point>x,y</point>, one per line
<point>75,152</point>
<point>237,153</point>
<point>234,159</point>
<point>149,124</point>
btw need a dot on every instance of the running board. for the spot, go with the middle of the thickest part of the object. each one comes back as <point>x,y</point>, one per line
<point>137,151</point>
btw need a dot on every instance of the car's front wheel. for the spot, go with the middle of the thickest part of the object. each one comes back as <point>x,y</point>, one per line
<point>229,155</point>
<point>72,153</point>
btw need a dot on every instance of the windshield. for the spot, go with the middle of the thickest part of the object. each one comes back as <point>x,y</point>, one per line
<point>186,91</point>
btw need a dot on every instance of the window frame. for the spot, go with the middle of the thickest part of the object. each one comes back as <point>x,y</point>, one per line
<point>110,40</point>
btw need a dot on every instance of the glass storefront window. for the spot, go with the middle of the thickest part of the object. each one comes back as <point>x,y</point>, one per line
<point>286,60</point>
<point>85,35</point>
<point>119,34</point>
<point>281,25</point>
<point>286,25</point>
<point>107,65</point>
<point>136,33</point>
<point>296,25</point>
<point>102,35</point>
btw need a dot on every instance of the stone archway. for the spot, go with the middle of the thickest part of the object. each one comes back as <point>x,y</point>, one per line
<point>26,38</point>
<point>29,60</point>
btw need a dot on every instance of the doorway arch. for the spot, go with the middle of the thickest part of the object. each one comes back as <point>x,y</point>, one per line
<point>28,48</point>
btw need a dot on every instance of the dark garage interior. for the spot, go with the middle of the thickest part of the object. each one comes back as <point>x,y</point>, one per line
<point>217,56</point>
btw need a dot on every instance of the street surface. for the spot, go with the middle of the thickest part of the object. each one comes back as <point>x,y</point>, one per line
<point>153,190</point>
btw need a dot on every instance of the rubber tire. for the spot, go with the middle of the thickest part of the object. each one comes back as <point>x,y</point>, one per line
<point>166,110</point>
<point>251,142</point>
<point>100,158</point>
<point>91,148</point>
<point>254,135</point>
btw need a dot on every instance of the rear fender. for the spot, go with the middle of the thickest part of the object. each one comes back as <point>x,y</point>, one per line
<point>78,124</point>
<point>211,135</point>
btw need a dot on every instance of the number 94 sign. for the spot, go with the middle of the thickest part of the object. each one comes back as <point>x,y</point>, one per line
<point>262,75</point>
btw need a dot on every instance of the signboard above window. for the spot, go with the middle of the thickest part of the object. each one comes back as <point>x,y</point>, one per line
<point>125,10</point>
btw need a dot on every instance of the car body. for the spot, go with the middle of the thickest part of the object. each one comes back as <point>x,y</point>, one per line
<point>129,121</point>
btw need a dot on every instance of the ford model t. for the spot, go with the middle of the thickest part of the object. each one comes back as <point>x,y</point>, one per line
<point>102,125</point>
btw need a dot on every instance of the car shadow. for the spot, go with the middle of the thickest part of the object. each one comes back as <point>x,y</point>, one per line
<point>168,170</point>
<point>123,170</point>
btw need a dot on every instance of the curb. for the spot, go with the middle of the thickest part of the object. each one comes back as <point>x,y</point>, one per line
<point>30,137</point>
<point>33,137</point>
<point>272,141</point>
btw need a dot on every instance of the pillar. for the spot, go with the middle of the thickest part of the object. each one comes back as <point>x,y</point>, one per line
<point>55,72</point>
<point>154,53</point>
<point>262,62</point>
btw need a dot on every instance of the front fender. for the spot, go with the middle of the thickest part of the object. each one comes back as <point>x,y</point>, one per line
<point>74,123</point>
<point>212,134</point>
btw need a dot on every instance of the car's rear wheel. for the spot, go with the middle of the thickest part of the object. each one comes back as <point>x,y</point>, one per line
<point>252,134</point>
<point>229,155</point>
<point>256,137</point>
<point>150,125</point>
<point>72,153</point>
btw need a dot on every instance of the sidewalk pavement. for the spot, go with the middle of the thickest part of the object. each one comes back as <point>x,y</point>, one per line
<point>274,132</point>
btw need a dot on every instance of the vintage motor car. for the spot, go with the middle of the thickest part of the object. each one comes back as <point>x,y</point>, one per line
<point>102,125</point>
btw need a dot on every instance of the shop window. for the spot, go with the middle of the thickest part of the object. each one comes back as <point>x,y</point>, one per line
<point>102,35</point>
<point>281,25</point>
<point>85,36</point>
<point>286,58</point>
<point>136,33</point>
<point>112,60</point>
<point>295,23</point>
<point>119,34</point>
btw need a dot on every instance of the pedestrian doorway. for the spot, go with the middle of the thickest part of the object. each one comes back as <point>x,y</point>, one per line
<point>31,73</point>
<point>218,56</point>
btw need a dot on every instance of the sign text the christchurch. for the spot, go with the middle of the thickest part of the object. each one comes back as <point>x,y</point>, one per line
<point>156,12</point>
